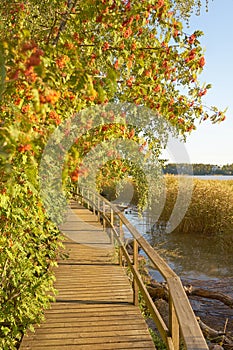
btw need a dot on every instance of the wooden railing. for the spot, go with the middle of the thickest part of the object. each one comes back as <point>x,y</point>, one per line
<point>181,316</point>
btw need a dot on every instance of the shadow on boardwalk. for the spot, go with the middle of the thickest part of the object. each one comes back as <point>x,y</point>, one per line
<point>94,307</point>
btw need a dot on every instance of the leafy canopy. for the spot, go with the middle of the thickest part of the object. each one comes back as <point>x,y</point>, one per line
<point>58,58</point>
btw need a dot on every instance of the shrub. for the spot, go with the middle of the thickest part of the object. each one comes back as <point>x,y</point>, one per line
<point>28,250</point>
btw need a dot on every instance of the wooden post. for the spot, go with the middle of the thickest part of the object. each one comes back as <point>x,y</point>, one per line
<point>173,325</point>
<point>112,225</point>
<point>135,263</point>
<point>82,190</point>
<point>88,197</point>
<point>93,200</point>
<point>120,255</point>
<point>104,222</point>
<point>98,208</point>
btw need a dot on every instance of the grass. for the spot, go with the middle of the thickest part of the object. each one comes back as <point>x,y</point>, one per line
<point>210,210</point>
<point>159,344</point>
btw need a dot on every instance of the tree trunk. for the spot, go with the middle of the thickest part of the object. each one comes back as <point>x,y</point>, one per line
<point>204,293</point>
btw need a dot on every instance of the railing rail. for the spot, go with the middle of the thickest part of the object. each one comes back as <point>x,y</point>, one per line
<point>181,316</point>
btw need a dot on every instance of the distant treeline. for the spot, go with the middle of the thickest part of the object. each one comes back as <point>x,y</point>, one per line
<point>198,169</point>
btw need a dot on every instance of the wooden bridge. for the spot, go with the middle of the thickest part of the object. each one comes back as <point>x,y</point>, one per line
<point>97,306</point>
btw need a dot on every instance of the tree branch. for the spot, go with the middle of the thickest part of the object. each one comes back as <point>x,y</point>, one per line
<point>204,293</point>
<point>70,6</point>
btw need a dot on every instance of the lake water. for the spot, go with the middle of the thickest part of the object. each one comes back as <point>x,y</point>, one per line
<point>214,177</point>
<point>200,256</point>
<point>201,260</point>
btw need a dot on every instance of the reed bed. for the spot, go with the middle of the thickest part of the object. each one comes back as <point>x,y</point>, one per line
<point>210,210</point>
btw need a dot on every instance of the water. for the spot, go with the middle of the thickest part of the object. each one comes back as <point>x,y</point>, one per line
<point>202,260</point>
<point>214,177</point>
<point>198,256</point>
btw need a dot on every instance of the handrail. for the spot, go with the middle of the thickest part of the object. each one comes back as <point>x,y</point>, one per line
<point>181,315</point>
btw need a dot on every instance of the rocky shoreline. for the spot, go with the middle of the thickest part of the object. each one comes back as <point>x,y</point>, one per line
<point>213,312</point>
<point>214,315</point>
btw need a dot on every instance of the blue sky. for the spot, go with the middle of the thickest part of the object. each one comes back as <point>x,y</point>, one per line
<point>213,143</point>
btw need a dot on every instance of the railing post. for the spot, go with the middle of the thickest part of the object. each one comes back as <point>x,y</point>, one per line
<point>82,191</point>
<point>173,325</point>
<point>104,222</point>
<point>88,197</point>
<point>120,255</point>
<point>112,225</point>
<point>135,263</point>
<point>98,208</point>
<point>93,200</point>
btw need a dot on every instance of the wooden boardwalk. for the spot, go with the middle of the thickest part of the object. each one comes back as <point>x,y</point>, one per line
<point>94,308</point>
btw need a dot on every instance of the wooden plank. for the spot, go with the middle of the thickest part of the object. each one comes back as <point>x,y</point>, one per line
<point>143,345</point>
<point>56,306</point>
<point>89,314</point>
<point>188,323</point>
<point>114,325</point>
<point>94,306</point>
<point>77,340</point>
<point>174,325</point>
<point>62,322</point>
<point>56,336</point>
<point>191,331</point>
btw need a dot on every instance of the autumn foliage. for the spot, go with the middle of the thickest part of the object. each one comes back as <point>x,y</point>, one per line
<point>56,59</point>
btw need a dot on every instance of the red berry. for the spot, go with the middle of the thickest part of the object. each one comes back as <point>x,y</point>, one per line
<point>202,61</point>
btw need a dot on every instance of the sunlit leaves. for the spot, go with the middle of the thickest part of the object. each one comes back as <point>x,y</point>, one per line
<point>58,58</point>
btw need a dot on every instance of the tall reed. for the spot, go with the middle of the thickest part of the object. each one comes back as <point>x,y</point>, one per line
<point>210,210</point>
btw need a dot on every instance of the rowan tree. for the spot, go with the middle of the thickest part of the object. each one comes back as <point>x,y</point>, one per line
<point>57,59</point>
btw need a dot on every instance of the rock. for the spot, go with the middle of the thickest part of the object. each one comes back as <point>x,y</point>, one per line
<point>215,347</point>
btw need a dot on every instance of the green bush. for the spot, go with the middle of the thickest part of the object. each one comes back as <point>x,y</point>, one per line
<point>28,249</point>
